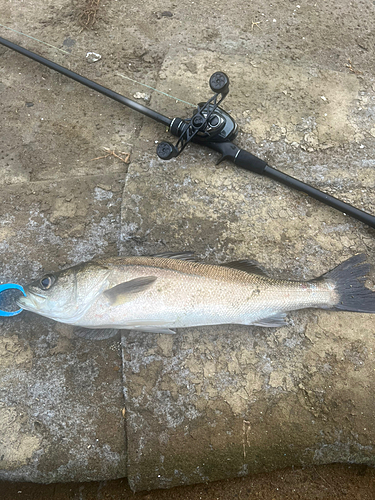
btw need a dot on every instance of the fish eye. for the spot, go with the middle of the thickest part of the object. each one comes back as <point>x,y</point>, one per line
<point>46,282</point>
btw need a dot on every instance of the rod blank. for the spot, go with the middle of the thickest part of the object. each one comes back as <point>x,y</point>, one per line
<point>319,195</point>
<point>89,83</point>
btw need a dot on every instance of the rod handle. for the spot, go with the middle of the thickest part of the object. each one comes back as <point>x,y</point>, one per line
<point>246,160</point>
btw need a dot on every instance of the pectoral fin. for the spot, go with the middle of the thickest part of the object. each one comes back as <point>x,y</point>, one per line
<point>126,291</point>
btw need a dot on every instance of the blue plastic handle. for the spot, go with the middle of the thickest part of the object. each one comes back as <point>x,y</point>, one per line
<point>9,286</point>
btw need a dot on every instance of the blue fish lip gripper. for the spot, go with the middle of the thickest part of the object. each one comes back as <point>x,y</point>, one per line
<point>10,286</point>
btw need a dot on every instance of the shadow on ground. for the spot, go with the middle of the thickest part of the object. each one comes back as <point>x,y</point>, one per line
<point>330,482</point>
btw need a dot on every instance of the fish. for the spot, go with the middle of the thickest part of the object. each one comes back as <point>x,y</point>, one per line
<point>160,293</point>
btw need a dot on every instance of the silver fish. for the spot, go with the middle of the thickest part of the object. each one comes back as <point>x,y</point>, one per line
<point>160,293</point>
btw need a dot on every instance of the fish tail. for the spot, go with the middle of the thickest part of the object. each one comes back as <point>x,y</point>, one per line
<point>349,278</point>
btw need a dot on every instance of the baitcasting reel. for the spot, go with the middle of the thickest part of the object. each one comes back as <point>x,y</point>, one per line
<point>208,124</point>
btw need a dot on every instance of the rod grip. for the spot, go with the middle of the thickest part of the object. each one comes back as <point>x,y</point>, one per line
<point>246,160</point>
<point>239,157</point>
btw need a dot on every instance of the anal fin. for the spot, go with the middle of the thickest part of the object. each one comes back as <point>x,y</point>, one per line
<point>153,329</point>
<point>272,321</point>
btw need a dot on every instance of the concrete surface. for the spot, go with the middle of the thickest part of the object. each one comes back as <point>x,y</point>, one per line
<point>303,94</point>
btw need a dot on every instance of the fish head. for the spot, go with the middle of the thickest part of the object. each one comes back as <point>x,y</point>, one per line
<point>65,295</point>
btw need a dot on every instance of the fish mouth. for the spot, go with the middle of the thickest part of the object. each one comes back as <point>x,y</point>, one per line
<point>31,302</point>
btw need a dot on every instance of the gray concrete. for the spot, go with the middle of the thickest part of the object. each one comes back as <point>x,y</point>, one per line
<point>209,402</point>
<point>226,401</point>
<point>56,392</point>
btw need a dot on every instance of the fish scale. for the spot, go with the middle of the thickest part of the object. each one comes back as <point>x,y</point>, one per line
<point>161,293</point>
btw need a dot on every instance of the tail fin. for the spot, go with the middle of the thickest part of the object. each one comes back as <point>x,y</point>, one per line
<point>349,278</point>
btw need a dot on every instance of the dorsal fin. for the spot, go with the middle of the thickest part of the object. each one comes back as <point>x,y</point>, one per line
<point>247,266</point>
<point>175,255</point>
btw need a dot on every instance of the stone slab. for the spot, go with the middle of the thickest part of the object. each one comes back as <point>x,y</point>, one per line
<point>217,402</point>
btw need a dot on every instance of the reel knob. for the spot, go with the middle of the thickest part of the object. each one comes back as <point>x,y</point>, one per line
<point>219,83</point>
<point>166,150</point>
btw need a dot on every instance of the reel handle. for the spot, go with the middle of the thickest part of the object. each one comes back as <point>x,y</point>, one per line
<point>203,123</point>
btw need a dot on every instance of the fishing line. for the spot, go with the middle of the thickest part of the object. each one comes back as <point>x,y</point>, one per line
<point>40,41</point>
<point>119,74</point>
<point>210,126</point>
<point>156,90</point>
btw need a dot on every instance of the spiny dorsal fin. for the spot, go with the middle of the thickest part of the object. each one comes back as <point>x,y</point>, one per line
<point>247,266</point>
<point>124,292</point>
<point>175,255</point>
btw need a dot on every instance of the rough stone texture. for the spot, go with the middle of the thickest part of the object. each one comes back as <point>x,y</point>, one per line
<point>207,403</point>
<point>225,401</point>
<point>217,403</point>
<point>56,391</point>
<point>60,406</point>
<point>60,398</point>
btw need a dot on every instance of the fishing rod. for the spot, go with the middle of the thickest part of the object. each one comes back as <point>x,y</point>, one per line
<point>210,126</point>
